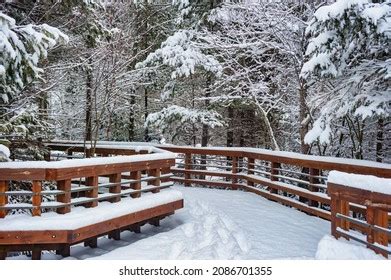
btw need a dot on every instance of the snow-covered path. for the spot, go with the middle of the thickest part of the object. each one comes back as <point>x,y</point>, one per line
<point>221,224</point>
<point>217,224</point>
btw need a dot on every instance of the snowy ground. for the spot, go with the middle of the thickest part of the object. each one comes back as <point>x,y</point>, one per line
<point>218,224</point>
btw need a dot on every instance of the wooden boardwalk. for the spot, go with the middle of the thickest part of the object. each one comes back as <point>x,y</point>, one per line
<point>295,180</point>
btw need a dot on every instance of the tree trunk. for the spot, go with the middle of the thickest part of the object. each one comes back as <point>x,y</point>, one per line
<point>230,132</point>
<point>146,131</point>
<point>379,140</point>
<point>131,118</point>
<point>303,117</point>
<point>89,81</point>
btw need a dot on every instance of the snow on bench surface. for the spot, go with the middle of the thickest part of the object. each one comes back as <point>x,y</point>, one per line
<point>86,161</point>
<point>80,216</point>
<point>364,182</point>
<point>136,146</point>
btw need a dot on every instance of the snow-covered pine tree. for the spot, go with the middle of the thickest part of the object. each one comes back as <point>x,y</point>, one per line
<point>22,48</point>
<point>187,73</point>
<point>349,53</point>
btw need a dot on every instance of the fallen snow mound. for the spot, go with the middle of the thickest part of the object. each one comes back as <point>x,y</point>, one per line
<point>330,248</point>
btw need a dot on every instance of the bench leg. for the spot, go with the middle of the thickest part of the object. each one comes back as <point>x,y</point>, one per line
<point>64,251</point>
<point>3,254</point>
<point>36,254</point>
<point>136,228</point>
<point>155,222</point>
<point>115,234</point>
<point>92,243</point>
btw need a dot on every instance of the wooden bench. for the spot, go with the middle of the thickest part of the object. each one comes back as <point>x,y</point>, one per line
<point>117,181</point>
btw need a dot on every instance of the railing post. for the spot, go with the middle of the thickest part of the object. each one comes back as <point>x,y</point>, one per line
<point>274,166</point>
<point>3,198</point>
<point>250,170</point>
<point>46,156</point>
<point>343,208</point>
<point>36,198</point>
<point>370,217</point>
<point>313,180</point>
<point>136,175</point>
<point>64,185</point>
<point>156,181</point>
<point>88,153</point>
<point>115,178</point>
<point>187,168</point>
<point>381,220</point>
<point>377,217</point>
<point>165,170</point>
<point>333,210</point>
<point>234,172</point>
<point>92,182</point>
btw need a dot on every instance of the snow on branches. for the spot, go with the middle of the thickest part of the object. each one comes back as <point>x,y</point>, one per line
<point>21,48</point>
<point>182,52</point>
<point>349,49</point>
<point>181,115</point>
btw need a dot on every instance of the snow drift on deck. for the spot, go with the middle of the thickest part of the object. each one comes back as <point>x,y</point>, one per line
<point>330,248</point>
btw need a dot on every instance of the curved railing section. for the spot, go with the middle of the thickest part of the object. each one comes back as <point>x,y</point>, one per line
<point>292,179</point>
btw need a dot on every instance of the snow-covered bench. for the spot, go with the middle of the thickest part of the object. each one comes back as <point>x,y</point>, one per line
<point>109,188</point>
<point>374,194</point>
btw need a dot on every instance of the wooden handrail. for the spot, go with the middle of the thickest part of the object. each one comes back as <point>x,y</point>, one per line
<point>375,229</point>
<point>290,158</point>
<point>64,172</point>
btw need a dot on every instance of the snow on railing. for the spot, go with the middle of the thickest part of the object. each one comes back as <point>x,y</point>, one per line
<point>59,185</point>
<point>371,228</point>
<point>114,174</point>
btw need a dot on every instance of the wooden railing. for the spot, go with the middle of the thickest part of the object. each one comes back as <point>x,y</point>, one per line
<point>59,186</point>
<point>292,179</point>
<point>81,182</point>
<point>296,180</point>
<point>372,228</point>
